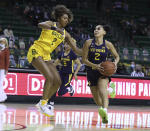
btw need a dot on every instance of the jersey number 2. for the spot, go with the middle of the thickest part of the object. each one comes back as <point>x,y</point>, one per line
<point>97,55</point>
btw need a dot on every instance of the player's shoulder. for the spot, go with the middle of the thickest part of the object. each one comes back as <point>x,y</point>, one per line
<point>108,43</point>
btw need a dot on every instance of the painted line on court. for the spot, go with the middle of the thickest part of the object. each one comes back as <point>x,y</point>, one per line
<point>19,128</point>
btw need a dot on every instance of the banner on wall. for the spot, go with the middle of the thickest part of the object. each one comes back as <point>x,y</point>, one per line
<point>32,84</point>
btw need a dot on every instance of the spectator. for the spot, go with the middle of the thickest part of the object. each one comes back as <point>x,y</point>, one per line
<point>132,66</point>
<point>4,64</point>
<point>14,53</point>
<point>125,6</point>
<point>136,54</point>
<point>21,43</point>
<point>145,55</point>
<point>12,61</point>
<point>125,53</point>
<point>22,61</point>
<point>8,32</point>
<point>27,9</point>
<point>30,42</point>
<point>117,5</point>
<point>138,71</point>
<point>46,15</point>
<point>121,69</point>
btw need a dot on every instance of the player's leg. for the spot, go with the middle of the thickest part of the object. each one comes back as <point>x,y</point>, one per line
<point>96,95</point>
<point>93,77</point>
<point>56,83</point>
<point>102,86</point>
<point>62,90</point>
<point>40,65</point>
<point>56,80</point>
<point>66,87</point>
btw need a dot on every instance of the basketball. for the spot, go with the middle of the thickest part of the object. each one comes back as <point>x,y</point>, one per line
<point>109,68</point>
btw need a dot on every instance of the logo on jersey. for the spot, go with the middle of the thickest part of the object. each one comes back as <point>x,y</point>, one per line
<point>58,35</point>
<point>34,52</point>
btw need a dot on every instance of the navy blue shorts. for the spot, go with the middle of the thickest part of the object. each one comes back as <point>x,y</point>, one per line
<point>93,76</point>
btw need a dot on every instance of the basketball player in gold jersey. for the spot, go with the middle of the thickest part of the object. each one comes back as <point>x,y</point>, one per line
<point>53,34</point>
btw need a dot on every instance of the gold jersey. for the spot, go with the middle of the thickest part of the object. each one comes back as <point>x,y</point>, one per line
<point>50,39</point>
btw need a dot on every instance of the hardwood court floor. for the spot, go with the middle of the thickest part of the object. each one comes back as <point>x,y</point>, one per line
<point>25,117</point>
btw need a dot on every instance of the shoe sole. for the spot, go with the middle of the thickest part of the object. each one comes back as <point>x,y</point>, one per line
<point>103,115</point>
<point>48,115</point>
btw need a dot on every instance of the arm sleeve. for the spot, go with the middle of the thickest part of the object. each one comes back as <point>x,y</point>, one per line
<point>7,53</point>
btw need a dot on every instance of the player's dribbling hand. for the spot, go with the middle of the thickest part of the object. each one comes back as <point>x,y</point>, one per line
<point>98,67</point>
<point>101,68</point>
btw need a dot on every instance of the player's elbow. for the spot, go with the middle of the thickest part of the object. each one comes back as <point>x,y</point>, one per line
<point>84,60</point>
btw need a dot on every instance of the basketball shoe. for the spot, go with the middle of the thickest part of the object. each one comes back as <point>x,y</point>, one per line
<point>51,105</point>
<point>103,113</point>
<point>70,90</point>
<point>43,108</point>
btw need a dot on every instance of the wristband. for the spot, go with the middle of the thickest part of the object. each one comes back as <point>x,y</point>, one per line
<point>53,28</point>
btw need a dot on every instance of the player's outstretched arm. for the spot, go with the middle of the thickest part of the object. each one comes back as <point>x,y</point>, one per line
<point>50,26</point>
<point>46,25</point>
<point>72,44</point>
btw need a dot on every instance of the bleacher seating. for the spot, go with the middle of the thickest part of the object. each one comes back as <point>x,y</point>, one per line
<point>137,9</point>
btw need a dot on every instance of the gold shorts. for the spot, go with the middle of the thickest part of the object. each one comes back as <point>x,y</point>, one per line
<point>36,51</point>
